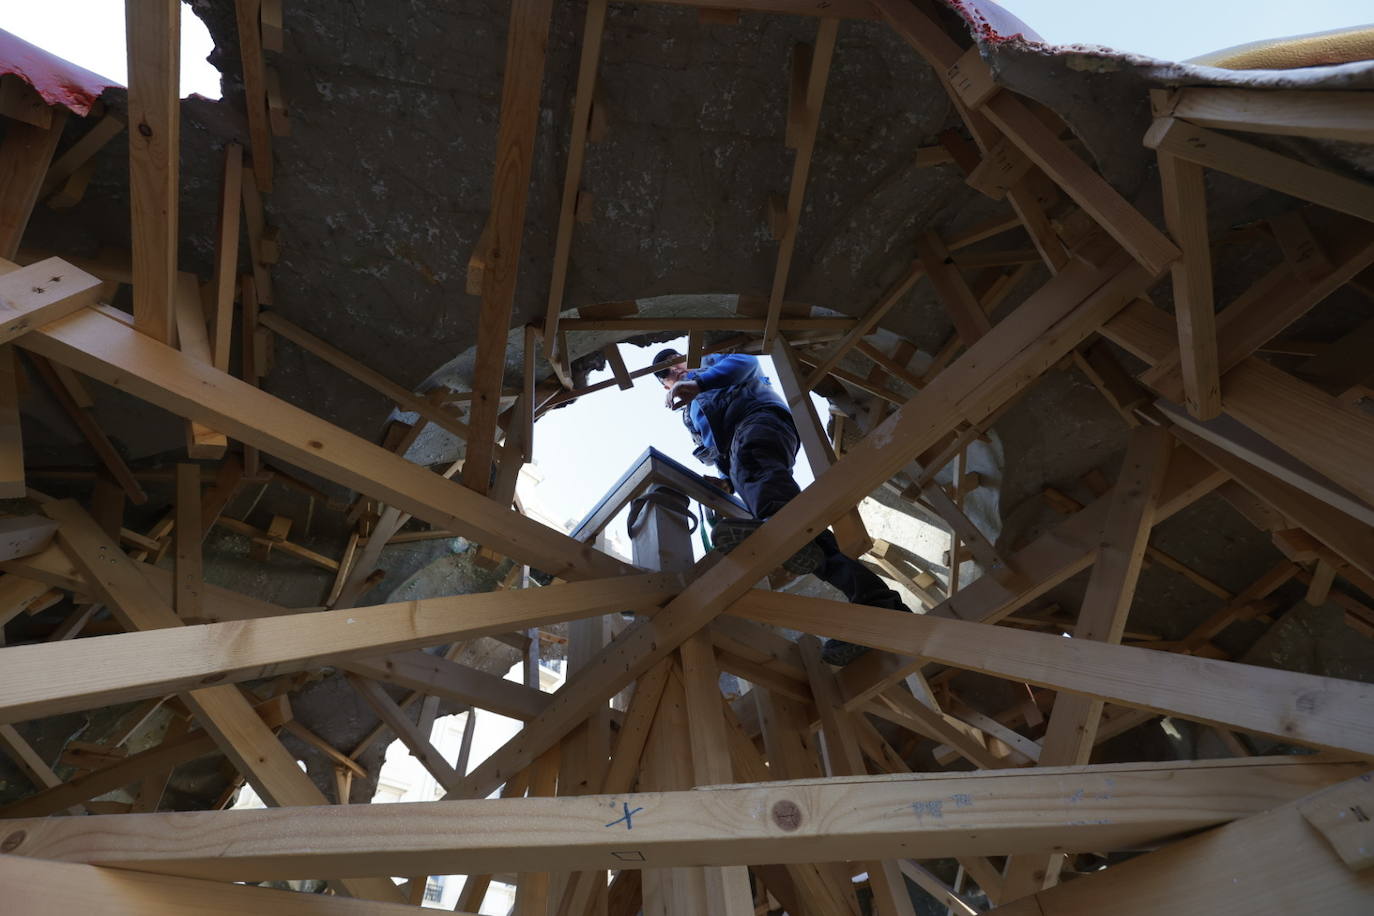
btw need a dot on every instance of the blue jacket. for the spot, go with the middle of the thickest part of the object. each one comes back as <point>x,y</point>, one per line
<point>731,388</point>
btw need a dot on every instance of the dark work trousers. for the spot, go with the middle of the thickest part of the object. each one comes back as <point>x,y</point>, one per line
<point>762,452</point>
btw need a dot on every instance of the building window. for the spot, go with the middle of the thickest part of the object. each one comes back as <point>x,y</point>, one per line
<point>434,889</point>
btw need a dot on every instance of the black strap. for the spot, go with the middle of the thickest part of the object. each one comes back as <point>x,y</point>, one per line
<point>667,500</point>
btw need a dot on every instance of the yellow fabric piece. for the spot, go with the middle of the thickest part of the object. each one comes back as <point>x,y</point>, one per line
<point>1339,46</point>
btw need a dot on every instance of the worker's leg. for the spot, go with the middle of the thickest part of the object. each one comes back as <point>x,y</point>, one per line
<point>761,458</point>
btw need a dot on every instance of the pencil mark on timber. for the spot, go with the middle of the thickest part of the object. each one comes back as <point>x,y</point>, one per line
<point>1308,701</point>
<point>629,856</point>
<point>12,841</point>
<point>627,817</point>
<point>1076,797</point>
<point>787,815</point>
<point>961,800</point>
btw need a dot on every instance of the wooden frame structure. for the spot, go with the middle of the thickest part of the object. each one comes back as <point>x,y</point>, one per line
<point>682,800</point>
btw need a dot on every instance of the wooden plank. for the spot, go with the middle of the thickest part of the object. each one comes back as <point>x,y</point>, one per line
<point>201,441</point>
<point>865,325</point>
<point>1252,163</point>
<point>1034,337</point>
<point>43,292</point>
<point>227,254</point>
<point>403,397</point>
<point>106,350</point>
<point>187,600</point>
<point>1273,861</point>
<point>11,434</point>
<point>520,91</point>
<point>1121,806</point>
<point>173,751</point>
<point>1185,213</point>
<point>1072,730</point>
<point>418,744</point>
<point>25,156</point>
<point>843,758</point>
<point>1246,698</point>
<point>84,419</point>
<point>36,887</point>
<point>1269,305</point>
<point>153,32</point>
<point>443,678</point>
<point>1298,113</point>
<point>805,136</point>
<point>846,9</point>
<point>593,26</point>
<point>116,667</point>
<point>248,18</point>
<point>850,530</point>
<point>963,308</point>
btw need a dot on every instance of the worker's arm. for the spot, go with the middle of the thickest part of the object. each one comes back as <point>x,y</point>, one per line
<point>727,371</point>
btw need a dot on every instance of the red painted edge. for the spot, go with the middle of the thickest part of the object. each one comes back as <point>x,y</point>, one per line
<point>992,23</point>
<point>58,81</point>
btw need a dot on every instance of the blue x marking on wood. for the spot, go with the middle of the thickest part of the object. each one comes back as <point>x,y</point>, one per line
<point>626,817</point>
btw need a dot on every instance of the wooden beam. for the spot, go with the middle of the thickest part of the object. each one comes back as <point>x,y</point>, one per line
<point>1298,113</point>
<point>520,91</point>
<point>1276,859</point>
<point>592,28</point>
<point>963,308</point>
<point>12,484</point>
<point>865,325</point>
<point>42,292</point>
<point>1185,213</point>
<point>418,744</point>
<point>1072,730</point>
<point>805,136</point>
<point>227,255</point>
<point>187,602</point>
<point>850,530</point>
<point>844,758</point>
<point>1034,337</point>
<point>172,752</point>
<point>36,887</point>
<point>1252,163</point>
<point>153,32</point>
<point>201,441</point>
<point>1246,698</point>
<point>249,20</point>
<point>442,678</point>
<point>927,815</point>
<point>104,349</point>
<point>116,667</point>
<point>25,157</point>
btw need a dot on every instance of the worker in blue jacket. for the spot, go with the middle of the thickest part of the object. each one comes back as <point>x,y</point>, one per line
<point>741,425</point>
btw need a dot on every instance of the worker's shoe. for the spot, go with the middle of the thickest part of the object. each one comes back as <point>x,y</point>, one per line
<point>729,533</point>
<point>840,653</point>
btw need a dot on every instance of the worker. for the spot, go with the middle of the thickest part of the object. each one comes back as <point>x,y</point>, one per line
<point>743,427</point>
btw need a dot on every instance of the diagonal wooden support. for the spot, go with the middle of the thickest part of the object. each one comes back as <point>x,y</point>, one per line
<point>843,758</point>
<point>114,668</point>
<point>1252,163</point>
<point>850,530</point>
<point>808,126</point>
<point>1244,697</point>
<point>105,349</point>
<point>1069,738</point>
<point>865,325</point>
<point>970,321</point>
<point>1034,337</point>
<point>520,88</point>
<point>1185,213</point>
<point>395,718</point>
<point>249,20</point>
<point>222,710</point>
<point>592,28</point>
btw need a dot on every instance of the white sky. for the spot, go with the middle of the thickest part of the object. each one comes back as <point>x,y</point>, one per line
<point>91,33</point>
<point>1180,29</point>
<point>611,429</point>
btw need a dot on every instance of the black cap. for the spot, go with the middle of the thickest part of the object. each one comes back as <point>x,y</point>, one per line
<point>663,355</point>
